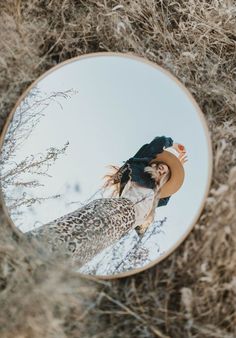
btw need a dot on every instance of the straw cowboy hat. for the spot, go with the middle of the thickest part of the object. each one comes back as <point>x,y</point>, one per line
<point>177,173</point>
<point>160,149</point>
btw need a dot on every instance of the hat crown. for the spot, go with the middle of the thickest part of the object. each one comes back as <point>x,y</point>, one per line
<point>177,172</point>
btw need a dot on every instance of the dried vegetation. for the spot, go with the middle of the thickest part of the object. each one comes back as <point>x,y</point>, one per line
<point>193,292</point>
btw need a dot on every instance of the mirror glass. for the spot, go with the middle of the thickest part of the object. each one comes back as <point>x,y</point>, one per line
<point>110,156</point>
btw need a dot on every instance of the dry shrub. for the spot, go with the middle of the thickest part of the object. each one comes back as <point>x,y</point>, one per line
<point>39,295</point>
<point>193,292</point>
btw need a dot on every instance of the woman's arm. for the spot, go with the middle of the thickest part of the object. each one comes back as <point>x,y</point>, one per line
<point>155,147</point>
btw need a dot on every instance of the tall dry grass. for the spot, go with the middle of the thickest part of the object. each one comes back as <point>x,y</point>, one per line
<point>193,292</point>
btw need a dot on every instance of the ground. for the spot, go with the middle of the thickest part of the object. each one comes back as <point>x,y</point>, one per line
<point>193,292</point>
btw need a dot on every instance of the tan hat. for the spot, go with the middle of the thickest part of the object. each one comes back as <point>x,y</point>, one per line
<point>177,173</point>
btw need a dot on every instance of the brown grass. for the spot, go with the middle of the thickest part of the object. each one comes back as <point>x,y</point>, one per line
<point>193,292</point>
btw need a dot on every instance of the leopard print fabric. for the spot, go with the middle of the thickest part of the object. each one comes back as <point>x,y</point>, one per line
<point>90,229</point>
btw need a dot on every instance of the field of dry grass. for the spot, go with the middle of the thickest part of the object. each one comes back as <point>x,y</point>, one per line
<point>193,292</point>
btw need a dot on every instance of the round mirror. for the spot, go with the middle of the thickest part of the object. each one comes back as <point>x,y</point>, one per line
<point>109,156</point>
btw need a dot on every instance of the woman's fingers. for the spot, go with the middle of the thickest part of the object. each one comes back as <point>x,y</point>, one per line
<point>183,158</point>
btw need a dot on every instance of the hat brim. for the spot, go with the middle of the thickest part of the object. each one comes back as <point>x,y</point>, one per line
<point>177,173</point>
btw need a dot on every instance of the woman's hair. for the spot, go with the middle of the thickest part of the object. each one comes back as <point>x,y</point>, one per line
<point>153,173</point>
<point>168,175</point>
<point>112,179</point>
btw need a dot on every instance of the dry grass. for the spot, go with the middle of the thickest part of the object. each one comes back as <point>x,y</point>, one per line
<point>193,292</point>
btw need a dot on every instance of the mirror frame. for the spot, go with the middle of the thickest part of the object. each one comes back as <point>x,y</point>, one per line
<point>201,117</point>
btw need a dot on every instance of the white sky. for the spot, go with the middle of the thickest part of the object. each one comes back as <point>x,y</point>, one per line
<point>121,104</point>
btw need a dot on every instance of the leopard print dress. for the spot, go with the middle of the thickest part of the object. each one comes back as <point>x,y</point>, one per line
<point>88,230</point>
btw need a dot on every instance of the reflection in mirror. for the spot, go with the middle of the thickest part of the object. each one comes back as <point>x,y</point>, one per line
<point>108,157</point>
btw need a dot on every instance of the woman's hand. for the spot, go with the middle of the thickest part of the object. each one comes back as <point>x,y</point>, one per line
<point>182,152</point>
<point>183,158</point>
<point>179,148</point>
